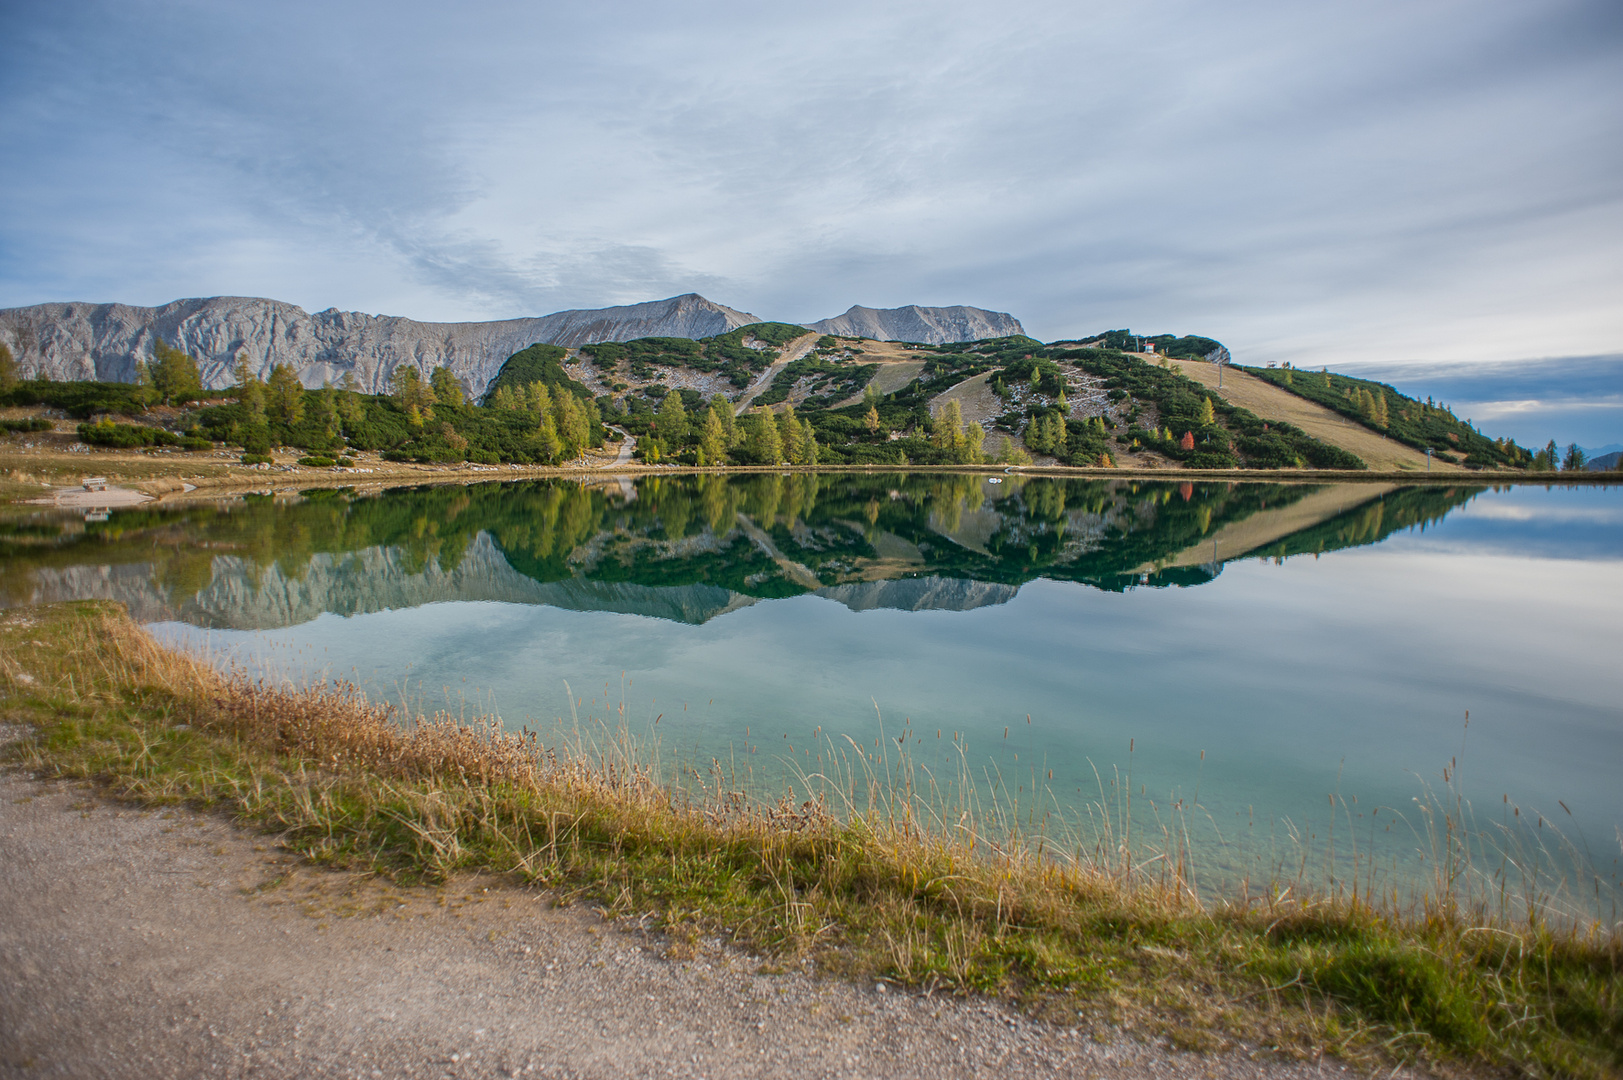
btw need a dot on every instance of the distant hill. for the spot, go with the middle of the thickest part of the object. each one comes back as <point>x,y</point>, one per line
<point>1604,463</point>
<point>927,325</point>
<point>76,341</point>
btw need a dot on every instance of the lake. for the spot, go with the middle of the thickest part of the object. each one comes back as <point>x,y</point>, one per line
<point>1260,665</point>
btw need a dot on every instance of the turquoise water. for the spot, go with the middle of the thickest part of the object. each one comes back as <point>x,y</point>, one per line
<point>1252,656</point>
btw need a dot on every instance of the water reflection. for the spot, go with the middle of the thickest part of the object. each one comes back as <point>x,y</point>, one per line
<point>687,549</point>
<point>1319,651</point>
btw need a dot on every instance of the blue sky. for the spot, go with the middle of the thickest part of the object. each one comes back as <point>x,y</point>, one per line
<point>1386,183</point>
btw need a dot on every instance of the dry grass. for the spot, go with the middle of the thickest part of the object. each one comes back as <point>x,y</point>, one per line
<point>871,869</point>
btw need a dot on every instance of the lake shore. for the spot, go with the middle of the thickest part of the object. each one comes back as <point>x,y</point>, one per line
<point>35,474</point>
<point>866,896</point>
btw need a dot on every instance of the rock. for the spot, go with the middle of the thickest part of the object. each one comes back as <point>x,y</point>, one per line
<point>927,325</point>
<point>105,341</point>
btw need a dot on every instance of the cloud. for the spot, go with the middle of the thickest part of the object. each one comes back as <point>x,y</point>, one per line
<point>1570,399</point>
<point>1396,180</point>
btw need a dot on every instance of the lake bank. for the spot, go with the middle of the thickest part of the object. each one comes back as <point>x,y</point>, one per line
<point>861,893</point>
<point>28,476</point>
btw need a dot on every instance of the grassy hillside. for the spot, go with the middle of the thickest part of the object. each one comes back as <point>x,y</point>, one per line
<point>726,353</point>
<point>1420,424</point>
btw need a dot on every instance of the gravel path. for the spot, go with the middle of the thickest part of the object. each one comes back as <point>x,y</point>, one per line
<point>154,944</point>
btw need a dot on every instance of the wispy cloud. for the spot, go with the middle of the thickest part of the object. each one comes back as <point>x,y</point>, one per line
<point>1432,180</point>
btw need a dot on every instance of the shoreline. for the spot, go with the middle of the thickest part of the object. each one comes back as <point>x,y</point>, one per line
<point>33,477</point>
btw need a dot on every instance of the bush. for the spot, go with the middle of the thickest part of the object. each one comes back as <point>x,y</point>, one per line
<point>126,436</point>
<point>317,462</point>
<point>196,443</point>
<point>256,459</point>
<point>21,426</point>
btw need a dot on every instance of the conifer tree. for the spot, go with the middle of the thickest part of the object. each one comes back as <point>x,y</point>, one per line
<point>766,446</point>
<point>871,420</point>
<point>8,367</point>
<point>1207,414</point>
<point>673,419</point>
<point>712,439</point>
<point>174,374</point>
<point>249,391</point>
<point>808,443</point>
<point>284,395</point>
<point>538,399</point>
<point>447,390</point>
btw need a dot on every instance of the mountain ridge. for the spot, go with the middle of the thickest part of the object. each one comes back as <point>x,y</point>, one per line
<point>925,325</point>
<point>76,340</point>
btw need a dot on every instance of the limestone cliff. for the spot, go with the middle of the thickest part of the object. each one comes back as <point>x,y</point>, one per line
<point>927,325</point>
<point>105,341</point>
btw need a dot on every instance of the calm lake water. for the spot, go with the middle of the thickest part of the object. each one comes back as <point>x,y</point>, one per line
<point>1249,654</point>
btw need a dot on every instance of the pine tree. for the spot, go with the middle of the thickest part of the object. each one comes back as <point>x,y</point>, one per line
<point>250,392</point>
<point>549,448</point>
<point>1207,414</point>
<point>174,374</point>
<point>766,446</point>
<point>447,390</point>
<point>974,443</point>
<point>808,443</point>
<point>8,367</point>
<point>538,399</point>
<point>284,395</point>
<point>673,419</point>
<point>871,420</point>
<point>1058,436</point>
<point>712,439</point>
<point>1379,414</point>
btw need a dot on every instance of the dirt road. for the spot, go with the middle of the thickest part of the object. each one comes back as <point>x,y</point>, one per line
<point>1271,403</point>
<point>793,351</point>
<point>170,944</point>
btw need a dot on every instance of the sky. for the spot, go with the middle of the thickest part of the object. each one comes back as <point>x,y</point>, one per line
<point>1383,183</point>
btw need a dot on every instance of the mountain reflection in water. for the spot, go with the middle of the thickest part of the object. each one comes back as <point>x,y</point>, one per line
<point>688,549</point>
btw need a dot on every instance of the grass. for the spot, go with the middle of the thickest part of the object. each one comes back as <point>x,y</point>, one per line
<point>872,871</point>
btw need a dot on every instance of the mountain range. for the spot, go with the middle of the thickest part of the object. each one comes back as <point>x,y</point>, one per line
<point>70,341</point>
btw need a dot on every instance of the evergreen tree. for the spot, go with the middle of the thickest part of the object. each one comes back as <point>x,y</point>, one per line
<point>410,392</point>
<point>284,395</point>
<point>250,392</point>
<point>971,453</point>
<point>351,410</point>
<point>712,440</point>
<point>447,390</point>
<point>549,449</point>
<point>808,443</point>
<point>174,374</point>
<point>766,446</point>
<point>8,367</point>
<point>871,420</point>
<point>673,420</point>
<point>323,411</point>
<point>1574,461</point>
<point>1208,415</point>
<point>538,399</point>
<point>1380,414</point>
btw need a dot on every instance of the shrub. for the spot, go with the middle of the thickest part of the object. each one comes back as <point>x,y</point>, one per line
<point>317,462</point>
<point>126,436</point>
